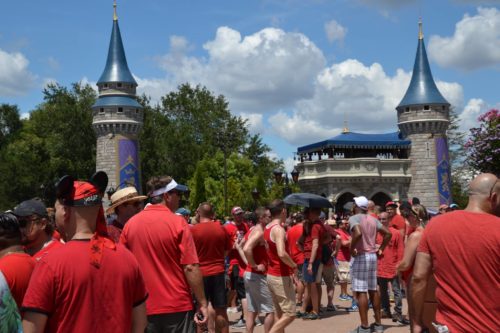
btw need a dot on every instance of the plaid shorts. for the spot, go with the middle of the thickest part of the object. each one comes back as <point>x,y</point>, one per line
<point>364,272</point>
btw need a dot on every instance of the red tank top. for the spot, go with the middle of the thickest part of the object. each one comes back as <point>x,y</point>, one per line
<point>276,266</point>
<point>259,255</point>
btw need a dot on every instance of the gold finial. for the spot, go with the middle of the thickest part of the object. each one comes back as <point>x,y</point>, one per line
<point>115,17</point>
<point>346,125</point>
<point>420,33</point>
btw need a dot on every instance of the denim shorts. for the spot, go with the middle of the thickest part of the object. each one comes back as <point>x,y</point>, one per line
<point>316,271</point>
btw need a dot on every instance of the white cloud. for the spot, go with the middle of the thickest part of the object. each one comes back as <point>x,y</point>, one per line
<point>335,31</point>
<point>363,95</point>
<point>257,73</point>
<point>25,115</point>
<point>472,110</point>
<point>92,84</point>
<point>15,78</point>
<point>475,43</point>
<point>254,122</point>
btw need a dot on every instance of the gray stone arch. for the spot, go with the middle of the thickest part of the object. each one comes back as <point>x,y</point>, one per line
<point>380,197</point>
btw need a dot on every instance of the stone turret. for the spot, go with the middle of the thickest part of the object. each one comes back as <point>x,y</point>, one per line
<point>423,118</point>
<point>117,117</point>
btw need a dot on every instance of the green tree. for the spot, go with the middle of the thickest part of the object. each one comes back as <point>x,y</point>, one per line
<point>190,123</point>
<point>10,122</point>
<point>57,139</point>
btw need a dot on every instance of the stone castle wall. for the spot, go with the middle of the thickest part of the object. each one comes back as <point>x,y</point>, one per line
<point>424,183</point>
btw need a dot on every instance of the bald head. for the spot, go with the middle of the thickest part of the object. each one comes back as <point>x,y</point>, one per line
<point>484,194</point>
<point>206,210</point>
<point>482,184</point>
<point>371,206</point>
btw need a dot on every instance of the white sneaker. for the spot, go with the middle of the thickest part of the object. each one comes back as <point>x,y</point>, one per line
<point>258,322</point>
<point>240,324</point>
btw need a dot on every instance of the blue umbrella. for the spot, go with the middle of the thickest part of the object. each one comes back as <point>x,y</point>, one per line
<point>308,200</point>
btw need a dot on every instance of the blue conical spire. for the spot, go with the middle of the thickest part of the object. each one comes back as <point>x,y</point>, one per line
<point>422,89</point>
<point>116,69</point>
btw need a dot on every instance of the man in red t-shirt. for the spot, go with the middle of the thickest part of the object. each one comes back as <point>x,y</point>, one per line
<point>125,203</point>
<point>236,230</point>
<point>395,220</point>
<point>292,235</point>
<point>461,249</point>
<point>15,264</point>
<point>386,270</point>
<point>90,284</point>
<point>212,244</point>
<point>37,229</point>
<point>163,245</point>
<point>281,268</point>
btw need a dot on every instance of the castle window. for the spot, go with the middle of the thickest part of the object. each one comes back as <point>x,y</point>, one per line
<point>444,107</point>
<point>407,109</point>
<point>101,110</point>
<point>119,85</point>
<point>427,107</point>
<point>105,85</point>
<point>120,110</point>
<point>136,111</point>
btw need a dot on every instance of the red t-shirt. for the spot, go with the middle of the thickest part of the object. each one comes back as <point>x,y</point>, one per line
<point>276,266</point>
<point>393,254</point>
<point>162,243</point>
<point>54,244</point>
<point>211,240</point>
<point>465,251</point>
<point>398,222</point>
<point>345,251</point>
<point>317,232</point>
<point>17,269</point>
<point>259,255</point>
<point>236,232</point>
<point>293,234</point>
<point>78,297</point>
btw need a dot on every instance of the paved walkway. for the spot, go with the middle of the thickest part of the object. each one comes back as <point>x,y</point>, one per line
<point>332,322</point>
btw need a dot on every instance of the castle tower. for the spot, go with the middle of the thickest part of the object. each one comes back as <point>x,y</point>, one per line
<point>423,117</point>
<point>117,117</point>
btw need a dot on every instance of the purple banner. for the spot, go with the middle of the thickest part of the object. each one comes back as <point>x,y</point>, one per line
<point>128,159</point>
<point>443,171</point>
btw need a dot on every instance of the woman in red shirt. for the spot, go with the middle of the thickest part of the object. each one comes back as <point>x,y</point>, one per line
<point>417,216</point>
<point>311,241</point>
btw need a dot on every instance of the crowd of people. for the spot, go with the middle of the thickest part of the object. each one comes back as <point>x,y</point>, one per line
<point>146,265</point>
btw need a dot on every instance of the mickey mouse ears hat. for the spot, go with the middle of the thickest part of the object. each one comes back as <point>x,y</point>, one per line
<point>81,193</point>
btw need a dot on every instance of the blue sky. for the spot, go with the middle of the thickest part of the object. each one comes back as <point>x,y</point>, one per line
<point>295,69</point>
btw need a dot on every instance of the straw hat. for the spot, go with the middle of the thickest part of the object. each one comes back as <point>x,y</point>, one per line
<point>124,195</point>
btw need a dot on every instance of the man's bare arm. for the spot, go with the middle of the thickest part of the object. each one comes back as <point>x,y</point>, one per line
<point>421,272</point>
<point>195,281</point>
<point>139,318</point>
<point>253,239</point>
<point>34,322</point>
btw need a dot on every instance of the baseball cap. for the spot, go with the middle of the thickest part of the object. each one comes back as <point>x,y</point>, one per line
<point>361,202</point>
<point>391,204</point>
<point>183,211</point>
<point>236,210</point>
<point>453,205</point>
<point>169,187</point>
<point>30,207</point>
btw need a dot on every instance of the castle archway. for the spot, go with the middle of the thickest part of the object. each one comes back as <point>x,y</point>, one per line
<point>342,200</point>
<point>380,198</point>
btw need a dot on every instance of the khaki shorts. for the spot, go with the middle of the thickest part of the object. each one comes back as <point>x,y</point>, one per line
<point>283,293</point>
<point>329,273</point>
<point>344,272</point>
